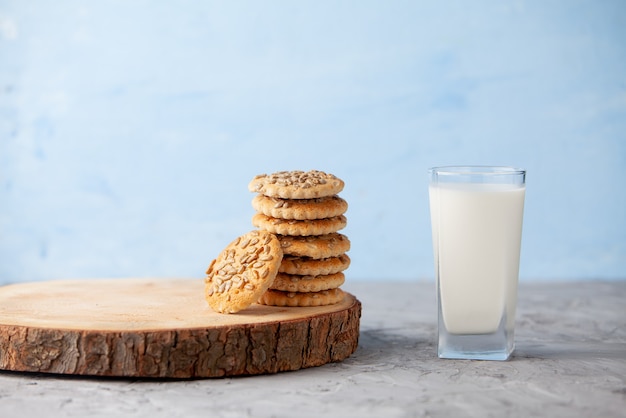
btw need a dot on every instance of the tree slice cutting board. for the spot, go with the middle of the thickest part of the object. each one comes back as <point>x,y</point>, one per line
<point>163,328</point>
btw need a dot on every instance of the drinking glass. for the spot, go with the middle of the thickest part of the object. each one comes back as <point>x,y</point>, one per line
<point>476,216</point>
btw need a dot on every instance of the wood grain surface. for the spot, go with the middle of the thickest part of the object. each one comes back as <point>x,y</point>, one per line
<point>163,328</point>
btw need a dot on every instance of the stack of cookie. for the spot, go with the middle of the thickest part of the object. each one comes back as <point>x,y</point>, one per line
<point>305,213</point>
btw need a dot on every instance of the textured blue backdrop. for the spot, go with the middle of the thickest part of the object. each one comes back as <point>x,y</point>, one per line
<point>130,130</point>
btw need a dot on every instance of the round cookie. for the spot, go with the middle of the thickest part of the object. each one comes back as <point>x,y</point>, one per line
<point>301,209</point>
<point>302,228</point>
<point>296,184</point>
<point>242,272</point>
<point>296,283</point>
<point>279,298</point>
<point>315,246</point>
<point>306,266</point>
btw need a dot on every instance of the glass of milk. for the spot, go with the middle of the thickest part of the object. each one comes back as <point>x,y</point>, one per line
<point>476,216</point>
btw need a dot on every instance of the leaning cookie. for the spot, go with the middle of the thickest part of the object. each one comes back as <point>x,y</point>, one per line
<point>296,184</point>
<point>301,228</point>
<point>301,299</point>
<point>315,246</point>
<point>297,283</point>
<point>242,272</point>
<point>301,209</point>
<point>306,266</point>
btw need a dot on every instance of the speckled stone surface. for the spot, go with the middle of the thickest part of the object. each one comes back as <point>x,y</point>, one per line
<point>570,361</point>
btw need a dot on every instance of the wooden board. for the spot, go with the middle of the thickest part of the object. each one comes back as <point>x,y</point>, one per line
<point>162,328</point>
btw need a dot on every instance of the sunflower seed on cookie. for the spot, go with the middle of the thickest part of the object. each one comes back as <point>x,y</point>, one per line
<point>296,184</point>
<point>242,272</point>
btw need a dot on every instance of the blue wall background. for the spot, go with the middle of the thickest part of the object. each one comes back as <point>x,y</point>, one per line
<point>130,130</point>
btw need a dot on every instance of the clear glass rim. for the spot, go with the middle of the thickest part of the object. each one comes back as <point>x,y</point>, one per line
<point>482,170</point>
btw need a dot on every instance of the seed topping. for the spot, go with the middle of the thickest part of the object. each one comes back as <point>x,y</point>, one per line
<point>247,266</point>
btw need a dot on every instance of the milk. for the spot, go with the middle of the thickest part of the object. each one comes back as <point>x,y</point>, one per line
<point>476,237</point>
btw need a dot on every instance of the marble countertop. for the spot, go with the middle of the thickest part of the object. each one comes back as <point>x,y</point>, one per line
<point>570,361</point>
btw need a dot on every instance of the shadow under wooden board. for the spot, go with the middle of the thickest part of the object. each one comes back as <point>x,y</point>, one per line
<point>163,328</point>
